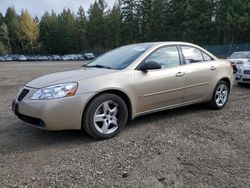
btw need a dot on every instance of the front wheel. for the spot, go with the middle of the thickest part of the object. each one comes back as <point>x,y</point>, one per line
<point>220,95</point>
<point>105,116</point>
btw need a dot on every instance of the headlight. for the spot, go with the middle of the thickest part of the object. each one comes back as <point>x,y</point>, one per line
<point>55,91</point>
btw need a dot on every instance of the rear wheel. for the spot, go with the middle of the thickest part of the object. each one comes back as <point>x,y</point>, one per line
<point>105,116</point>
<point>220,95</point>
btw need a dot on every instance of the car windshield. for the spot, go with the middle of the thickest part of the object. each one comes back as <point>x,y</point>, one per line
<point>120,58</point>
<point>239,55</point>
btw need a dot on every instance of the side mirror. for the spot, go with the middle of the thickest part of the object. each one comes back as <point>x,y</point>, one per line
<point>150,65</point>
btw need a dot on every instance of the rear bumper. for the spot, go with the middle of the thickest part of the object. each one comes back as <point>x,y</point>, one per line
<point>57,114</point>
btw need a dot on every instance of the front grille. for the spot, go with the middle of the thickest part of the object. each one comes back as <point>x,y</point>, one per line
<point>34,121</point>
<point>246,79</point>
<point>23,94</point>
<point>246,71</point>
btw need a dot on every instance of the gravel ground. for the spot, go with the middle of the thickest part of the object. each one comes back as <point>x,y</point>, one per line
<point>186,147</point>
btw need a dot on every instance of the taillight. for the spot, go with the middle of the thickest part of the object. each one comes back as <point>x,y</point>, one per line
<point>231,65</point>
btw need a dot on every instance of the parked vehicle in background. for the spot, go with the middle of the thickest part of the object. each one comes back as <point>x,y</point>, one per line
<point>42,58</point>
<point>66,58</point>
<point>21,58</point>
<point>30,58</point>
<point>123,84</point>
<point>56,58</point>
<point>2,59</point>
<point>239,58</point>
<point>79,57</point>
<point>243,74</point>
<point>7,58</point>
<point>89,56</point>
<point>69,57</point>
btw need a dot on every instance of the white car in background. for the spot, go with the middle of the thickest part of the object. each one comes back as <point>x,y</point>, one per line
<point>21,58</point>
<point>243,74</point>
<point>237,59</point>
<point>89,56</point>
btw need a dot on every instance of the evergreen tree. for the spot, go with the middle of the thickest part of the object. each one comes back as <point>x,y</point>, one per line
<point>67,37</point>
<point>48,35</point>
<point>95,26</point>
<point>145,12</point>
<point>198,21</point>
<point>81,22</point>
<point>130,26</point>
<point>156,22</point>
<point>11,20</point>
<point>113,24</point>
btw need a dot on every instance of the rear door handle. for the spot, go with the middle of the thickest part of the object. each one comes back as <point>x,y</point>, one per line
<point>179,74</point>
<point>213,68</point>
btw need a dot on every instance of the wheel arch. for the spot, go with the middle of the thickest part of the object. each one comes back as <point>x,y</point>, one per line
<point>227,80</point>
<point>117,92</point>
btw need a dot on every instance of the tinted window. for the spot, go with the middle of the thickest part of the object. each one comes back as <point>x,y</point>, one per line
<point>165,56</point>
<point>206,57</point>
<point>191,55</point>
<point>239,55</point>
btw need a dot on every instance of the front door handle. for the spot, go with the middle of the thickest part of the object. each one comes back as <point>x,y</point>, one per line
<point>213,68</point>
<point>179,74</point>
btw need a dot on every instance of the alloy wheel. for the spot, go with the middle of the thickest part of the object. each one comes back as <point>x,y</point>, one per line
<point>221,95</point>
<point>106,117</point>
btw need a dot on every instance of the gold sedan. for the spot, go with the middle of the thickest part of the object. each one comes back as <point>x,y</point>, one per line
<point>123,84</point>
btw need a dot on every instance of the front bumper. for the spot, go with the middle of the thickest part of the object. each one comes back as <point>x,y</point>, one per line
<point>56,114</point>
<point>243,78</point>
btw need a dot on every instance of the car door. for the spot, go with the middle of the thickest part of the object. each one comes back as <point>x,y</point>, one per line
<point>200,71</point>
<point>163,87</point>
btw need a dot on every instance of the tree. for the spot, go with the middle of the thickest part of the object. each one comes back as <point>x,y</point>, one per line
<point>11,21</point>
<point>4,35</point>
<point>198,21</point>
<point>145,13</point>
<point>95,26</point>
<point>1,18</point>
<point>130,26</point>
<point>113,23</point>
<point>156,22</point>
<point>67,32</point>
<point>81,22</point>
<point>29,32</point>
<point>49,30</point>
<point>232,20</point>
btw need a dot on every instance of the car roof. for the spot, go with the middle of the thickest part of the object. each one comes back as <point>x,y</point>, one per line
<point>166,43</point>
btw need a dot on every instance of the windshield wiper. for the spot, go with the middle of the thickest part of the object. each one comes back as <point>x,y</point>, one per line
<point>98,66</point>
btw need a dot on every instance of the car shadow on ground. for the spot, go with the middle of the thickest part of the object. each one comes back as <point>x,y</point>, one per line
<point>151,118</point>
<point>20,137</point>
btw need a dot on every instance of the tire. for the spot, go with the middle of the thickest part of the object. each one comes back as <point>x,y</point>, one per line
<point>105,116</point>
<point>218,101</point>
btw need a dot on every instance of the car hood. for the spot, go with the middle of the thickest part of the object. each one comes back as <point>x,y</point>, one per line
<point>237,60</point>
<point>246,66</point>
<point>67,76</point>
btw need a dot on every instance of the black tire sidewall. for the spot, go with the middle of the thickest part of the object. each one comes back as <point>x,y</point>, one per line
<point>88,116</point>
<point>213,101</point>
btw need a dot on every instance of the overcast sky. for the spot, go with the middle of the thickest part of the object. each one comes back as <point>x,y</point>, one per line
<point>38,7</point>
